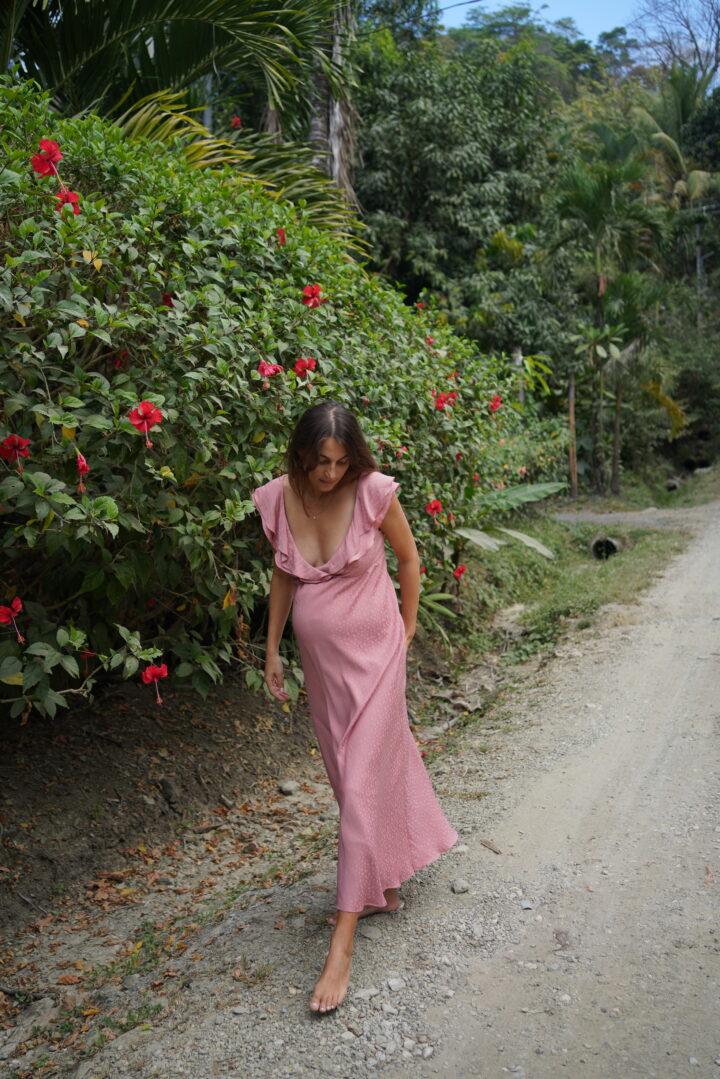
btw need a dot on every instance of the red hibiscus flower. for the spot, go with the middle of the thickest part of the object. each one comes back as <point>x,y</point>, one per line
<point>119,360</point>
<point>458,457</point>
<point>496,403</point>
<point>152,675</point>
<point>421,306</point>
<point>476,477</point>
<point>441,399</point>
<point>44,163</point>
<point>167,299</point>
<point>400,451</point>
<point>13,447</point>
<point>144,416</point>
<point>434,507</point>
<point>423,569</point>
<point>430,341</point>
<point>236,123</point>
<point>83,469</point>
<point>7,616</point>
<point>452,397</point>
<point>311,296</point>
<point>304,365</point>
<point>458,572</point>
<point>267,370</point>
<point>68,198</point>
<point>281,237</point>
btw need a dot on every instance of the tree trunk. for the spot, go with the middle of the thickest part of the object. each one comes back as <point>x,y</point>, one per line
<point>331,124</point>
<point>572,450</point>
<point>615,477</point>
<point>597,432</point>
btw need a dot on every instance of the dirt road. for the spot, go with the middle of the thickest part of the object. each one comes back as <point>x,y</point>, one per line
<point>589,946</point>
<point>616,843</point>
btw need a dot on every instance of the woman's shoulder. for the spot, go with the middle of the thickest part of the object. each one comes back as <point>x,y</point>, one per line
<point>375,493</point>
<point>268,497</point>
<point>376,481</point>
<point>272,488</point>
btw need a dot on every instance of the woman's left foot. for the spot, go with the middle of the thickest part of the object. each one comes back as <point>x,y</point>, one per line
<point>332,985</point>
<point>392,905</point>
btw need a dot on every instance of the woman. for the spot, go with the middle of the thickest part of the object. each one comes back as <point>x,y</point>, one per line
<point>327,521</point>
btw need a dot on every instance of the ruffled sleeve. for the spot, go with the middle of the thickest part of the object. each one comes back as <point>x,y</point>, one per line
<point>268,501</point>
<point>375,493</point>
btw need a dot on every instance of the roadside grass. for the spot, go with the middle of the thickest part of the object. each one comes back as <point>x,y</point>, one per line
<point>555,593</point>
<point>641,491</point>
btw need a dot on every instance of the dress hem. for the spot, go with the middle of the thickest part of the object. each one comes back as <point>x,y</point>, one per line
<point>423,865</point>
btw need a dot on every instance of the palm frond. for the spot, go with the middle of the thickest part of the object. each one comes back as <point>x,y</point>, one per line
<point>286,169</point>
<point>88,52</point>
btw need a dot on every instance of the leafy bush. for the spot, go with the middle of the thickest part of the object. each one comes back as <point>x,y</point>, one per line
<point>171,286</point>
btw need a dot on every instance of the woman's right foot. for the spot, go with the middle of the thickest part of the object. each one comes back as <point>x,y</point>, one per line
<point>332,985</point>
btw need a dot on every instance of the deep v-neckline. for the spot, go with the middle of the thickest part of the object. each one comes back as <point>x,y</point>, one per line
<point>343,541</point>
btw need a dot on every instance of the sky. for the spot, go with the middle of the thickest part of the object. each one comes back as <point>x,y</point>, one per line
<point>591,18</point>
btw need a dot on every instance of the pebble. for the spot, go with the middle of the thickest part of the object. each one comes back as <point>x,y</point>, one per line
<point>388,1009</point>
<point>427,1052</point>
<point>459,885</point>
<point>370,932</point>
<point>288,786</point>
<point>526,905</point>
<point>395,984</point>
<point>366,994</point>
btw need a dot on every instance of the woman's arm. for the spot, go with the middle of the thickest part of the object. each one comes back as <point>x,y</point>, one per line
<point>282,587</point>
<point>397,532</point>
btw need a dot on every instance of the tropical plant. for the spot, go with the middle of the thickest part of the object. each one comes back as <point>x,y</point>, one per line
<point>664,120</point>
<point>286,169</point>
<point>101,54</point>
<point>161,328</point>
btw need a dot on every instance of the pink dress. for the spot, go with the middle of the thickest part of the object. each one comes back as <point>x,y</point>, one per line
<point>352,644</point>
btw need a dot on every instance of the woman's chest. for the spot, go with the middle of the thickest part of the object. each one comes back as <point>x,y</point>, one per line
<point>319,538</point>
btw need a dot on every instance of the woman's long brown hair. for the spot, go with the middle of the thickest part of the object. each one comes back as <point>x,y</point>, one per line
<point>329,419</point>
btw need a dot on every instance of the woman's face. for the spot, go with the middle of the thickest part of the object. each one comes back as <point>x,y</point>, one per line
<point>333,463</point>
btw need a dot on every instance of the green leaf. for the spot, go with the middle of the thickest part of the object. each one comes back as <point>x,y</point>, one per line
<point>71,666</point>
<point>480,539</point>
<point>529,541</point>
<point>11,665</point>
<point>131,666</point>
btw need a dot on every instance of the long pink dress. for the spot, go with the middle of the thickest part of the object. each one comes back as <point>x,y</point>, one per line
<point>352,644</point>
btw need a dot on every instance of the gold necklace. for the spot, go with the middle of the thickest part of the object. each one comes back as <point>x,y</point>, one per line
<point>314,516</point>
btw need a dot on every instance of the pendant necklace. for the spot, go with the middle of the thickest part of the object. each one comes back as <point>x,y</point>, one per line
<point>314,516</point>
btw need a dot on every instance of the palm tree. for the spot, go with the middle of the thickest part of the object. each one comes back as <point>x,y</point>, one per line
<point>144,63</point>
<point>100,54</point>
<point>632,299</point>
<point>612,227</point>
<point>662,121</point>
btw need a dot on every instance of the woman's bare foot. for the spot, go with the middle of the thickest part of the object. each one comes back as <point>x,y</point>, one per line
<point>392,904</point>
<point>332,985</point>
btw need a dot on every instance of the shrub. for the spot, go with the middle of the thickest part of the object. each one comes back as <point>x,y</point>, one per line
<point>172,286</point>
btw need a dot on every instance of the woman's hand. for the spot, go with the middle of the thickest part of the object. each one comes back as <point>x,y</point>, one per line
<point>275,677</point>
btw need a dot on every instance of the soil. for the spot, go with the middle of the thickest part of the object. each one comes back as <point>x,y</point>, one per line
<point>164,909</point>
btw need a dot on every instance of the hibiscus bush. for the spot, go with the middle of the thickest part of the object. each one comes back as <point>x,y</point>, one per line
<point>162,329</point>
